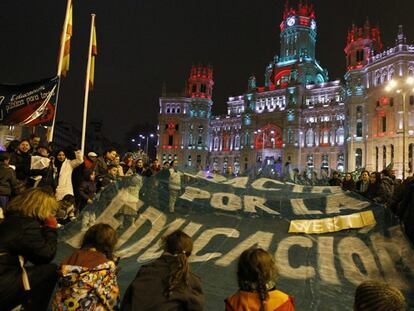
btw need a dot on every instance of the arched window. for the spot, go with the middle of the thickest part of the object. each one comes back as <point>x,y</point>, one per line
<point>237,142</point>
<point>410,157</point>
<point>340,136</point>
<point>378,79</point>
<point>189,160</point>
<point>309,138</point>
<point>392,153</point>
<point>358,158</point>
<point>216,143</point>
<point>178,110</point>
<point>340,165</point>
<point>384,157</point>
<point>310,161</point>
<point>376,158</point>
<point>359,129</point>
<point>324,138</point>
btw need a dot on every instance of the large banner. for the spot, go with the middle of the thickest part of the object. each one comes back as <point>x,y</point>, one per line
<point>322,239</point>
<point>28,104</point>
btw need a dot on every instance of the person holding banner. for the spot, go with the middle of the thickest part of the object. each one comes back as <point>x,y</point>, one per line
<point>167,283</point>
<point>28,233</point>
<point>65,168</point>
<point>378,296</point>
<point>256,273</point>
<point>174,185</point>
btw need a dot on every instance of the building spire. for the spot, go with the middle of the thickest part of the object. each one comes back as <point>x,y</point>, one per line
<point>401,39</point>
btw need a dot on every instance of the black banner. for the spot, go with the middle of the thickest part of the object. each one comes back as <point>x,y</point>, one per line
<point>28,104</point>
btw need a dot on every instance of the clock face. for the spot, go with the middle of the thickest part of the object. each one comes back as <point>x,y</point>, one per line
<point>313,24</point>
<point>290,21</point>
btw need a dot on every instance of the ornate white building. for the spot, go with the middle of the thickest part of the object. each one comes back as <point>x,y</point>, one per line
<point>298,116</point>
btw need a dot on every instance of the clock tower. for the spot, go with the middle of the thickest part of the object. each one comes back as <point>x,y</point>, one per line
<point>298,32</point>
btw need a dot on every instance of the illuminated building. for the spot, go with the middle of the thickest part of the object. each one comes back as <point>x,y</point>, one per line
<point>298,116</point>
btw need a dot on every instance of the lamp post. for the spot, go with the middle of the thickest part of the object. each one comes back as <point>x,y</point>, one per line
<point>399,89</point>
<point>147,139</point>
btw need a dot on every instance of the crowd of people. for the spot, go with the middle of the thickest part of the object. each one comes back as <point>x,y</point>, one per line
<point>87,279</point>
<point>74,178</point>
<point>41,189</point>
<point>384,188</point>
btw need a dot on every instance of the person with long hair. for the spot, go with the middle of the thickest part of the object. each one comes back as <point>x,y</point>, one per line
<point>28,234</point>
<point>374,189</point>
<point>65,168</point>
<point>378,296</point>
<point>167,283</point>
<point>256,274</point>
<point>348,182</point>
<point>88,278</point>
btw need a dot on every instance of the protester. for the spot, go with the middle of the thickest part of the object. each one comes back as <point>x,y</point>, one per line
<point>34,142</point>
<point>64,172</point>
<point>256,274</point>
<point>102,162</point>
<point>140,167</point>
<point>174,185</point>
<point>378,296</point>
<point>87,189</point>
<point>155,167</point>
<point>28,233</point>
<point>90,160</point>
<point>47,174</point>
<point>88,278</point>
<point>78,174</point>
<point>348,184</point>
<point>362,184</point>
<point>21,160</point>
<point>117,163</point>
<point>12,146</point>
<point>8,181</point>
<point>109,177</point>
<point>67,210</point>
<point>167,283</point>
<point>163,183</point>
<point>335,180</point>
<point>387,185</point>
<point>374,189</point>
<point>128,165</point>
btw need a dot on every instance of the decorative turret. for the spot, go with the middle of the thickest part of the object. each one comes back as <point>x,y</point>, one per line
<point>200,82</point>
<point>362,42</point>
<point>298,32</point>
<point>401,39</point>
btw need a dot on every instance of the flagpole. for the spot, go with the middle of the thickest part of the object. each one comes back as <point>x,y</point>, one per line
<point>60,62</point>
<point>88,69</point>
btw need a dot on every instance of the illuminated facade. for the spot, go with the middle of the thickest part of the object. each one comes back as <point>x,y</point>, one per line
<point>298,116</point>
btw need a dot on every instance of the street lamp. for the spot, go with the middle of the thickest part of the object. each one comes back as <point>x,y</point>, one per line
<point>398,86</point>
<point>146,145</point>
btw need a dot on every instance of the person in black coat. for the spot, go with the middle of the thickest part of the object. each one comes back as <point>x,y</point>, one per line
<point>21,159</point>
<point>348,183</point>
<point>8,181</point>
<point>87,188</point>
<point>28,233</point>
<point>167,283</point>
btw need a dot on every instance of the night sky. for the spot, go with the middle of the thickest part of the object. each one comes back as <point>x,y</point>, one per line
<point>142,43</point>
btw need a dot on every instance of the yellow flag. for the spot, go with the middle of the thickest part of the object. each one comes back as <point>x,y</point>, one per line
<point>66,53</point>
<point>94,52</point>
